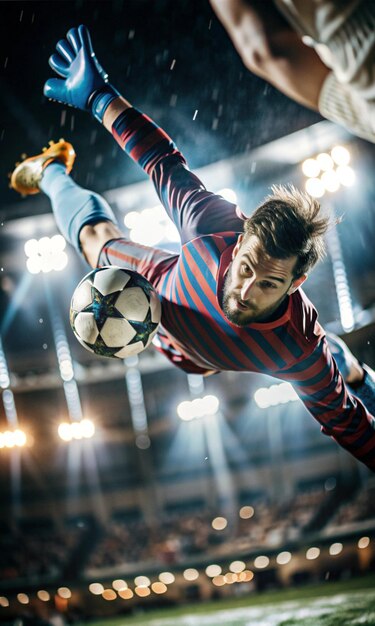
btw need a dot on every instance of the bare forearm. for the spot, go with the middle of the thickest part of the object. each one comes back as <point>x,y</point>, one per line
<point>271,49</point>
<point>115,109</point>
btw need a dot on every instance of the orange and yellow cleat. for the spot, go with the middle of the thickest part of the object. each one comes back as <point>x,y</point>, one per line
<point>28,173</point>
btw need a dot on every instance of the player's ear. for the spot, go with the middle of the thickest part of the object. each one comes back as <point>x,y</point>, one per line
<point>296,283</point>
<point>237,246</point>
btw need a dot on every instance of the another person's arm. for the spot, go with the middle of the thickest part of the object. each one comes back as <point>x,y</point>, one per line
<point>271,49</point>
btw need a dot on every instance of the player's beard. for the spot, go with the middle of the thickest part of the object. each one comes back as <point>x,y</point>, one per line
<point>252,313</point>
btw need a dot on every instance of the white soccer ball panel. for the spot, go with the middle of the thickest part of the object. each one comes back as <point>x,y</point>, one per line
<point>82,296</point>
<point>131,350</point>
<point>155,306</point>
<point>133,304</point>
<point>117,332</point>
<point>110,279</point>
<point>85,327</point>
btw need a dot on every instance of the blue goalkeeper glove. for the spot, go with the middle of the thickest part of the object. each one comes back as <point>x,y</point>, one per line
<point>84,83</point>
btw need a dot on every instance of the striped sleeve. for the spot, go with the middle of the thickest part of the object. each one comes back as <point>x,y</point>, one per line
<point>152,263</point>
<point>194,210</point>
<point>341,415</point>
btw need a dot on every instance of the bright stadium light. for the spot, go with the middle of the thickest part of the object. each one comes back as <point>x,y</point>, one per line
<point>312,553</point>
<point>237,567</point>
<point>346,175</point>
<point>83,429</point>
<point>315,187</point>
<point>151,226</point>
<point>213,570</point>
<point>191,574</point>
<point>340,155</point>
<point>228,194</point>
<point>274,395</point>
<point>46,254</point>
<point>283,558</point>
<point>325,161</point>
<point>311,168</point>
<point>198,408</point>
<point>335,548</point>
<point>13,439</point>
<point>330,180</point>
<point>167,578</point>
<point>219,523</point>
<point>260,562</point>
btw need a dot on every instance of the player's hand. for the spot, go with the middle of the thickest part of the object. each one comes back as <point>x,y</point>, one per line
<point>82,75</point>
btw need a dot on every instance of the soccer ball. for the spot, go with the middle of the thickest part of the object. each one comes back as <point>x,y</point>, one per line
<point>115,312</point>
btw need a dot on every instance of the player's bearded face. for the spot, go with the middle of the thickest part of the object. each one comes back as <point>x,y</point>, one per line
<point>256,284</point>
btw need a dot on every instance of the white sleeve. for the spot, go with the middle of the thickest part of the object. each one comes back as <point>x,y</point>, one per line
<point>340,104</point>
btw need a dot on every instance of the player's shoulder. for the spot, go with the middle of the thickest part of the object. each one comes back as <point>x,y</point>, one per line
<point>304,316</point>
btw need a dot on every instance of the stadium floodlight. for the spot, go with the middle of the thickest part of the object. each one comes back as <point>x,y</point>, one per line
<point>228,194</point>
<point>96,588</point>
<point>46,254</point>
<point>311,168</point>
<point>213,570</point>
<point>150,226</point>
<point>230,578</point>
<point>340,155</point>
<point>191,574</point>
<point>159,587</point>
<point>142,581</point>
<point>12,439</point>
<point>237,567</point>
<point>125,594</point>
<point>83,429</point>
<point>109,594</point>
<point>23,598</point>
<point>283,558</point>
<point>312,553</point>
<point>346,175</point>
<point>142,592</point>
<point>64,592</point>
<point>330,180</point>
<point>260,562</point>
<point>119,584</point>
<point>274,395</point>
<point>327,172</point>
<point>315,187</point>
<point>246,512</point>
<point>219,523</point>
<point>335,548</point>
<point>167,578</point>
<point>43,595</point>
<point>198,408</point>
<point>325,161</point>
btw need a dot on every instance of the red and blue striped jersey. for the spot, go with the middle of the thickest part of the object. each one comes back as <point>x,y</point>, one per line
<point>195,333</point>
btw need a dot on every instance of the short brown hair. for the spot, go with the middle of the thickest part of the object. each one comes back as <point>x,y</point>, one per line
<point>288,223</point>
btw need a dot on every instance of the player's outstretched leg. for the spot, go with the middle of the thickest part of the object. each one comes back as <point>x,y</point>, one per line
<point>73,207</point>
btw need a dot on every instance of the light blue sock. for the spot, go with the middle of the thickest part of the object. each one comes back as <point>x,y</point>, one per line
<point>73,206</point>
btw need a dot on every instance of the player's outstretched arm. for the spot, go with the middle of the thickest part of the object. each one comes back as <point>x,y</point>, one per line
<point>338,409</point>
<point>84,84</point>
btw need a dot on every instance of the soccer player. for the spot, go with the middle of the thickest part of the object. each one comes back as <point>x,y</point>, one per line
<point>232,298</point>
<point>319,53</point>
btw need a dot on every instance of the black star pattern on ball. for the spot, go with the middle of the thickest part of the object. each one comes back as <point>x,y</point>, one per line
<point>103,307</point>
<point>144,329</point>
